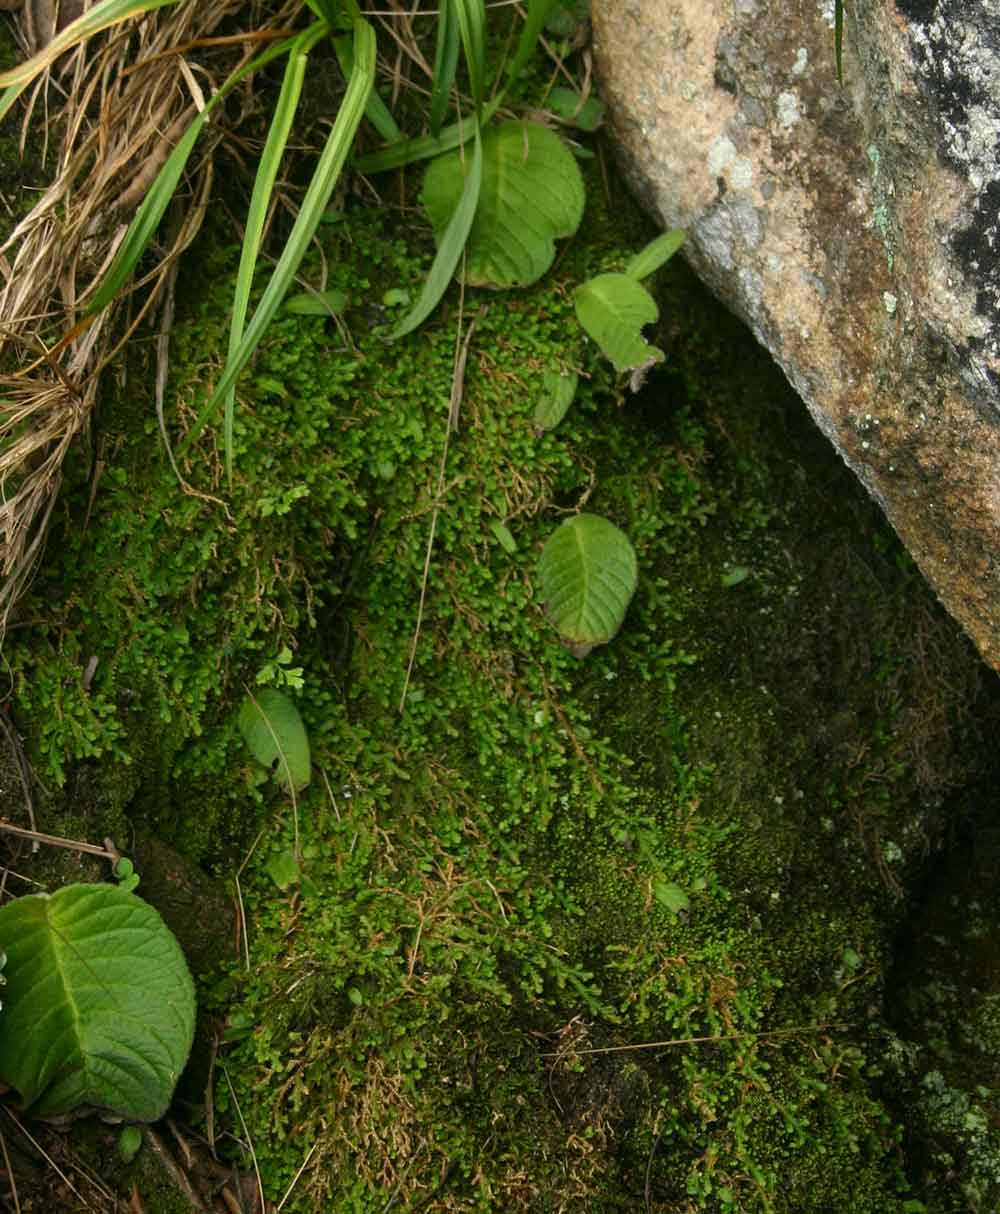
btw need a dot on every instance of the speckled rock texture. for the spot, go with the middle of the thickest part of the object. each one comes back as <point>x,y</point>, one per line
<point>855,229</point>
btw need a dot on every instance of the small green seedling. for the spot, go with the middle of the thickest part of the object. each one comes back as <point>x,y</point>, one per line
<point>614,308</point>
<point>273,730</point>
<point>129,1142</point>
<point>125,874</point>
<point>588,573</point>
<point>558,393</point>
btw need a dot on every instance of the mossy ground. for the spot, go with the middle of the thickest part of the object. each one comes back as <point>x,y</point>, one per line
<point>482,895</point>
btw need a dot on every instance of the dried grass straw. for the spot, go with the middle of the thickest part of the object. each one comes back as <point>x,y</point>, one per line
<point>128,95</point>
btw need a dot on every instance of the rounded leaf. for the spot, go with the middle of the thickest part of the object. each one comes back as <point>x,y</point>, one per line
<point>99,1006</point>
<point>557,395</point>
<point>588,574</point>
<point>272,728</point>
<point>531,195</point>
<point>613,308</point>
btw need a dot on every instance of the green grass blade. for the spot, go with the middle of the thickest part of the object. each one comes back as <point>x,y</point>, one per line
<point>838,38</point>
<point>157,199</point>
<point>147,218</point>
<point>325,10</point>
<point>471,16</point>
<point>424,147</point>
<point>263,187</point>
<point>376,111</point>
<point>450,249</point>
<point>531,31</point>
<point>100,17</point>
<point>445,64</point>
<point>317,197</point>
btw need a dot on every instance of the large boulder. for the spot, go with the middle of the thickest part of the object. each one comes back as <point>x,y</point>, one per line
<point>854,228</point>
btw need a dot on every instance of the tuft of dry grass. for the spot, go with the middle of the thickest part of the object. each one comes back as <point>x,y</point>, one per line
<point>123,99</point>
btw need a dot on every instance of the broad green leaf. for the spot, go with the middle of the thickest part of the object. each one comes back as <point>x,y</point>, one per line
<point>558,391</point>
<point>99,1007</point>
<point>273,730</point>
<point>671,896</point>
<point>451,245</point>
<point>613,308</point>
<point>318,303</point>
<point>445,64</point>
<point>588,574</point>
<point>532,194</point>
<point>655,254</point>
<point>569,105</point>
<point>314,204</point>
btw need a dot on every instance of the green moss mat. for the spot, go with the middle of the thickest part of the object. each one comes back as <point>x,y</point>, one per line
<point>487,878</point>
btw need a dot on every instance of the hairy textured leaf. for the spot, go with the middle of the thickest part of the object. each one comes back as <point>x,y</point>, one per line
<point>588,575</point>
<point>99,1006</point>
<point>532,193</point>
<point>613,308</point>
<point>655,254</point>
<point>558,391</point>
<point>272,728</point>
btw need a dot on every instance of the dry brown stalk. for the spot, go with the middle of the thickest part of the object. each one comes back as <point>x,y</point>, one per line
<point>123,100</point>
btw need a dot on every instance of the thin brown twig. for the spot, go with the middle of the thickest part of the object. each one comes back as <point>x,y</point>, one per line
<point>710,1038</point>
<point>10,1173</point>
<point>91,849</point>
<point>48,1159</point>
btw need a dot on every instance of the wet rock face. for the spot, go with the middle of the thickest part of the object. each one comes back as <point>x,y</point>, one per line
<point>855,229</point>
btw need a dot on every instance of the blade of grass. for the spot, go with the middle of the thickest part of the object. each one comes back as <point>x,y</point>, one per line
<point>451,247</point>
<point>151,210</point>
<point>531,31</point>
<point>263,187</point>
<point>376,111</point>
<point>424,147</point>
<point>147,217</point>
<point>471,16</point>
<point>314,203</point>
<point>100,17</point>
<point>445,64</point>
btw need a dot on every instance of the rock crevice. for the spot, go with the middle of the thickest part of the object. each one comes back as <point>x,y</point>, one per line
<point>855,230</point>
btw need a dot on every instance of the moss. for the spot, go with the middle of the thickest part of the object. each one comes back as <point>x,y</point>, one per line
<point>481,896</point>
